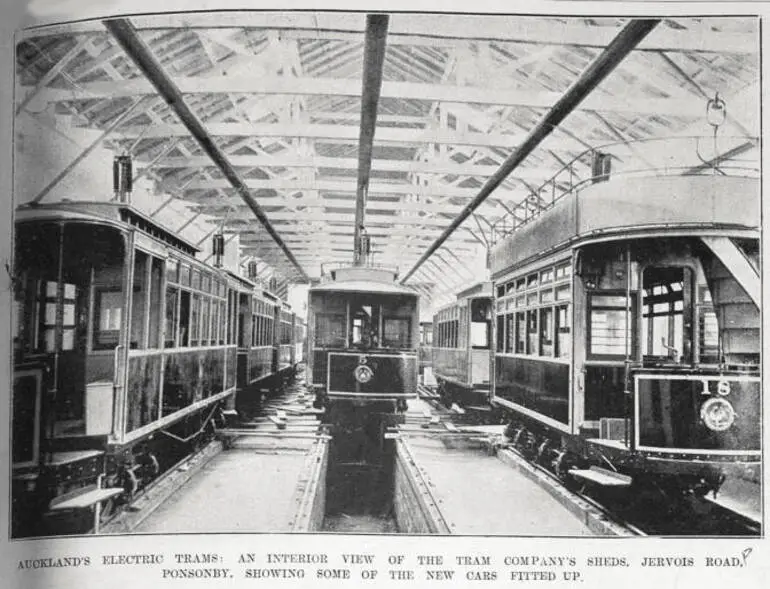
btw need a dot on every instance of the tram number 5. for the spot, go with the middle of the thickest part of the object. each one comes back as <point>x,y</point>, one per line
<point>723,388</point>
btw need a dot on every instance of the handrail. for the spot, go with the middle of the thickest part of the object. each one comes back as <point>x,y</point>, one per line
<point>531,210</point>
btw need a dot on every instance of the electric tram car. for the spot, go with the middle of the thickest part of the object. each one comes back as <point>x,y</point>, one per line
<point>126,348</point>
<point>363,330</point>
<point>462,344</point>
<point>266,342</point>
<point>628,331</point>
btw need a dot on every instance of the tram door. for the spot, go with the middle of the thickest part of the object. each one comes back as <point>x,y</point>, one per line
<point>481,341</point>
<point>243,339</point>
<point>58,263</point>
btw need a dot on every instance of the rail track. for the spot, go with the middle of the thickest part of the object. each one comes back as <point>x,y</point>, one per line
<point>690,516</point>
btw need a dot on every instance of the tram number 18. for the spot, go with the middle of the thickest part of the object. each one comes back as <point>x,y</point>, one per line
<point>723,388</point>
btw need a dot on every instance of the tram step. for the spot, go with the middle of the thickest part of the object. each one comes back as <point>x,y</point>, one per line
<point>87,498</point>
<point>62,458</point>
<point>603,477</point>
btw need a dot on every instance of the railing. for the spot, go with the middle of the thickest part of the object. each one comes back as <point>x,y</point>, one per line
<point>683,156</point>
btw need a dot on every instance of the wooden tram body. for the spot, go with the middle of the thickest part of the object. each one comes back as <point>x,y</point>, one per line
<point>126,347</point>
<point>462,348</point>
<point>627,330</point>
<point>363,330</point>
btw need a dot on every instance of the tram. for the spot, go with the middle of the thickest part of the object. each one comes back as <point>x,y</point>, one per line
<point>462,348</point>
<point>127,349</point>
<point>628,329</point>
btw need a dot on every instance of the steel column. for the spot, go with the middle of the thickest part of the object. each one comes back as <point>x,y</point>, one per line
<point>128,38</point>
<point>374,59</point>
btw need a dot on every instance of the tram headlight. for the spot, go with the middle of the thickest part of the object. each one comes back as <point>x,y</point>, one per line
<point>717,414</point>
<point>363,373</point>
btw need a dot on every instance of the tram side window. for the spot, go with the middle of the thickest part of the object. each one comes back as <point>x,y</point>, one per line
<point>510,334</point>
<point>172,316</point>
<point>521,333</point>
<point>607,335</point>
<point>501,335</point>
<point>330,330</point>
<point>223,323</point>
<point>195,314</point>
<point>156,294</point>
<point>235,324</point>
<point>146,301</point>
<point>563,337</point>
<point>205,309</point>
<point>546,331</point>
<point>184,319</point>
<point>215,322</point>
<point>139,300</point>
<point>532,332</point>
<point>108,309</point>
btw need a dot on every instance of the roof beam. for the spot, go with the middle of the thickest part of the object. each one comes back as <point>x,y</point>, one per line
<point>596,72</point>
<point>306,86</point>
<point>374,60</point>
<point>140,53</point>
<point>289,160</point>
<point>51,74</point>
<point>321,217</point>
<point>349,133</point>
<point>334,185</point>
<point>433,30</point>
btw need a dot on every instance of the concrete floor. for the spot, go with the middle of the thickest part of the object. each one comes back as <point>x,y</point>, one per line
<point>241,490</point>
<point>480,495</point>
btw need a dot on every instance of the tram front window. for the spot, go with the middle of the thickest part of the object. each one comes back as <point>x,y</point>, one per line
<point>365,321</point>
<point>666,310</point>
